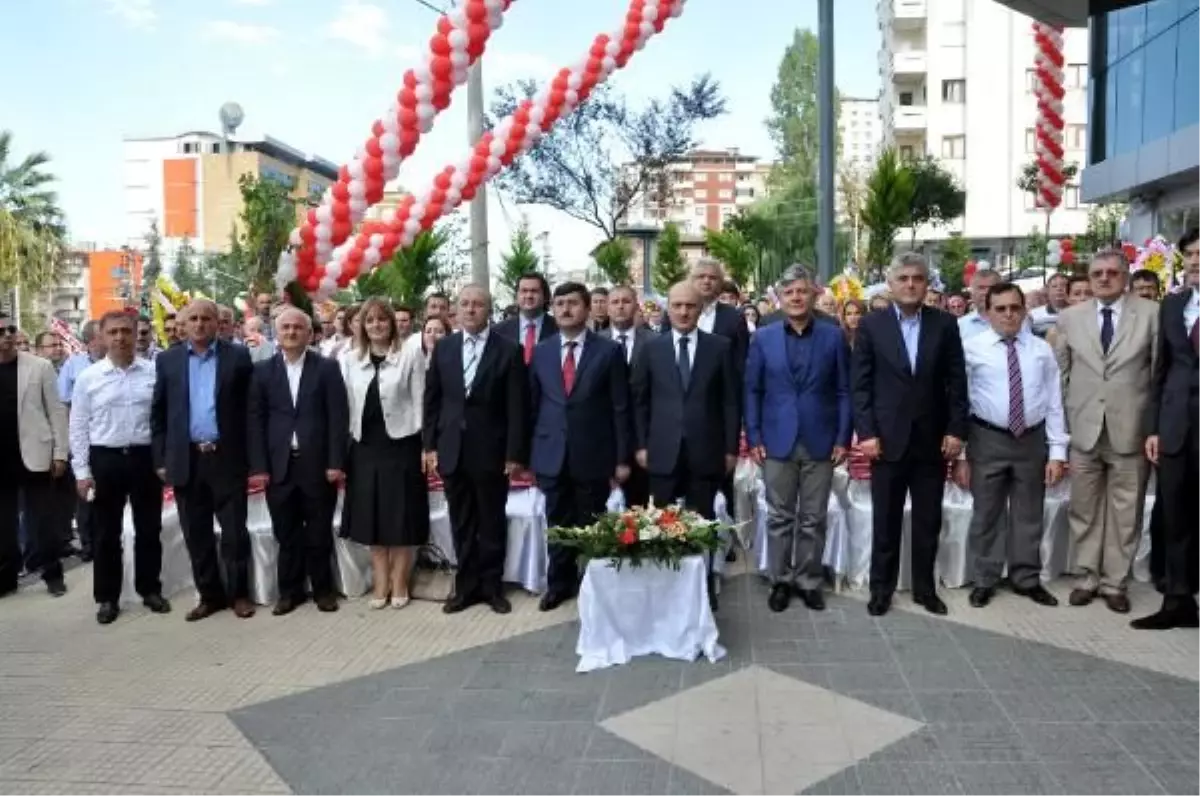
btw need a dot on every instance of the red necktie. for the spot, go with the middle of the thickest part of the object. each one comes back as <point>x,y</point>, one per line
<point>569,368</point>
<point>530,341</point>
<point>1195,335</point>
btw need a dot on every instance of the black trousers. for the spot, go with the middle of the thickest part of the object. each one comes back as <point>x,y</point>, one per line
<point>302,518</point>
<point>66,511</point>
<point>636,486</point>
<point>891,483</point>
<point>125,475</point>
<point>697,491</point>
<point>570,502</point>
<point>211,493</point>
<point>1158,545</point>
<point>38,490</point>
<point>477,503</point>
<point>1177,478</point>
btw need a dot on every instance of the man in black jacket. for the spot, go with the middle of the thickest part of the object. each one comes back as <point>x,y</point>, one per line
<point>909,388</point>
<point>532,324</point>
<point>475,435</point>
<point>299,423</point>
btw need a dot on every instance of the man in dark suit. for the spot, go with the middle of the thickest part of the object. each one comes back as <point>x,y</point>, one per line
<point>475,435</point>
<point>579,387</point>
<point>910,411</point>
<point>632,337</point>
<point>198,440</point>
<point>532,324</point>
<point>685,408</point>
<point>299,423</point>
<point>1173,445</point>
<point>798,427</point>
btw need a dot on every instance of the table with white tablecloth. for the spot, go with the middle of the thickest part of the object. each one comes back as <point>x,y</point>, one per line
<point>630,611</point>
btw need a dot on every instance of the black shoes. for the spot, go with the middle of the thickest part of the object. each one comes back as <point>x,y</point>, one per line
<point>156,603</point>
<point>1116,602</point>
<point>551,600</point>
<point>781,595</point>
<point>457,603</point>
<point>284,606</point>
<point>1038,594</point>
<point>106,613</point>
<point>1081,597</point>
<point>812,598</point>
<point>981,596</point>
<point>879,604</point>
<point>500,604</point>
<point>57,588</point>
<point>1175,612</point>
<point>326,603</point>
<point>931,603</point>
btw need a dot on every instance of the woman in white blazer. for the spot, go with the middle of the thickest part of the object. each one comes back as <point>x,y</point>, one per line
<point>387,500</point>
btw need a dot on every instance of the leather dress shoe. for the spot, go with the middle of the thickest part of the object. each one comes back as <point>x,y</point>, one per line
<point>157,603</point>
<point>1175,612</point>
<point>243,608</point>
<point>327,603</point>
<point>931,603</point>
<point>57,588</point>
<point>500,604</point>
<point>781,595</point>
<point>981,596</point>
<point>551,600</point>
<point>879,604</point>
<point>202,611</point>
<point>7,590</point>
<point>107,613</point>
<point>1117,602</point>
<point>284,607</point>
<point>1038,594</point>
<point>1081,597</point>
<point>813,599</point>
<point>458,603</point>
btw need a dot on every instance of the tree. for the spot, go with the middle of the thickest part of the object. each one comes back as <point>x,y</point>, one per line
<point>852,189</point>
<point>952,261</point>
<point>612,260</point>
<point>1103,228</point>
<point>187,273</point>
<point>577,167</point>
<point>793,123</point>
<point>267,218</point>
<point>734,251</point>
<point>669,266</point>
<point>520,259</point>
<point>152,257</point>
<point>937,199</point>
<point>32,228</point>
<point>408,275</point>
<point>886,210</point>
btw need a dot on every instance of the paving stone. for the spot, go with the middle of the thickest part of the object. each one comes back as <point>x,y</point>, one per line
<point>1155,742</point>
<point>1117,775</point>
<point>1006,778</point>
<point>906,778</point>
<point>960,707</point>
<point>1177,778</point>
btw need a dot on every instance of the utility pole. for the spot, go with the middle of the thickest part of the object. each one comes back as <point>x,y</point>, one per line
<point>479,225</point>
<point>825,122</point>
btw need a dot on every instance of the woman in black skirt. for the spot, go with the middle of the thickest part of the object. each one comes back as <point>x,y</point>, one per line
<point>386,494</point>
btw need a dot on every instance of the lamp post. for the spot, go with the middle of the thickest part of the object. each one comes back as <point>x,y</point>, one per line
<point>825,122</point>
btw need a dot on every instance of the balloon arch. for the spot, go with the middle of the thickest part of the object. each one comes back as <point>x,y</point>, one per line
<point>324,252</point>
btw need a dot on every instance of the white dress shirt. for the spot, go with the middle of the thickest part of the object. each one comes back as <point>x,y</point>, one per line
<point>986,357</point>
<point>692,337</point>
<point>708,317</point>
<point>629,333</point>
<point>1116,308</point>
<point>579,341</point>
<point>1191,310</point>
<point>110,408</point>
<point>294,371</point>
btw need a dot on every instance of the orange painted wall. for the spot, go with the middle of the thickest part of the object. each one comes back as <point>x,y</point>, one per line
<point>179,198</point>
<point>104,287</point>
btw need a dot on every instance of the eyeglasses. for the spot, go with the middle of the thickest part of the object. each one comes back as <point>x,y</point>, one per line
<point>1105,273</point>
<point>1007,309</point>
<point>10,329</point>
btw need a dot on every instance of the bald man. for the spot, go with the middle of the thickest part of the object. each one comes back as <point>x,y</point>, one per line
<point>198,440</point>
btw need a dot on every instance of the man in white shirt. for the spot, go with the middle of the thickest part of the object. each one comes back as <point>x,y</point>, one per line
<point>1016,446</point>
<point>975,321</point>
<point>111,456</point>
<point>1043,318</point>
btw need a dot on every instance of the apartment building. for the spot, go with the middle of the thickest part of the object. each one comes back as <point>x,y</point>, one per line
<point>957,84</point>
<point>860,132</point>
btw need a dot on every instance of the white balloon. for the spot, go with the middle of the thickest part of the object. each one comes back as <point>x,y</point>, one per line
<point>650,12</point>
<point>324,214</point>
<point>334,269</point>
<point>371,258</point>
<point>677,9</point>
<point>421,73</point>
<point>417,211</point>
<point>459,76</point>
<point>355,168</point>
<point>459,60</point>
<point>324,232</point>
<point>536,114</point>
<point>498,146</point>
<point>494,5</point>
<point>411,228</point>
<point>328,287</point>
<point>608,64</point>
<point>1053,259</point>
<point>458,17</point>
<point>572,97</point>
<point>458,39</point>
<point>575,80</point>
<point>495,21</point>
<point>376,240</point>
<point>613,47</point>
<point>358,203</point>
<point>458,179</point>
<point>357,188</point>
<point>389,142</point>
<point>647,30</point>
<point>423,92</point>
<point>1054,245</point>
<point>453,196</point>
<point>391,166</point>
<point>294,239</point>
<point>494,165</point>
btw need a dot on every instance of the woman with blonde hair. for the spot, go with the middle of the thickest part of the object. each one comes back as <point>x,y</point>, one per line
<point>852,312</point>
<point>387,501</point>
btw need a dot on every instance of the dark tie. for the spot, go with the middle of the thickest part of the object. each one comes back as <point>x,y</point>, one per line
<point>1106,328</point>
<point>1016,391</point>
<point>1195,335</point>
<point>621,339</point>
<point>685,363</point>
<point>569,368</point>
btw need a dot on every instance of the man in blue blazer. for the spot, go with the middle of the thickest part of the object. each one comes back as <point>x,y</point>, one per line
<point>579,388</point>
<point>798,424</point>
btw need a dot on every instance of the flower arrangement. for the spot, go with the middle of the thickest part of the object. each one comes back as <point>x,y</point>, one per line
<point>661,536</point>
<point>168,300</point>
<point>846,286</point>
<point>1158,255</point>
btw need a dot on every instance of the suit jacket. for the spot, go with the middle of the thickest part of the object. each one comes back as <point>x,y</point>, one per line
<point>909,412</point>
<point>778,315</point>
<point>1178,372</point>
<point>41,415</point>
<point>705,415</point>
<point>730,324</point>
<point>642,334</point>
<point>170,412</point>
<point>811,405</point>
<point>588,431</point>
<point>510,328</point>
<point>487,428</point>
<point>319,418</point>
<point>1110,391</point>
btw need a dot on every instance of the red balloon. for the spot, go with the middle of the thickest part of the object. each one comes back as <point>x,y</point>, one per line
<point>1068,257</point>
<point>373,168</point>
<point>373,148</point>
<point>468,192</point>
<point>561,81</point>
<point>444,25</point>
<point>341,211</point>
<point>475,47</point>
<point>377,128</point>
<point>307,237</point>
<point>439,44</point>
<point>344,280</point>
<point>390,241</point>
<point>311,283</point>
<point>355,256</point>
<point>441,101</point>
<point>659,24</point>
<point>442,180</point>
<point>408,142</point>
<point>407,118</point>
<point>598,46</point>
<point>341,192</point>
<point>410,79</point>
<point>441,67</point>
<point>557,98</point>
<point>407,98</point>
<point>342,230</point>
<point>510,151</point>
<point>1068,243</point>
<point>478,165</point>
<point>478,31</point>
<point>632,31</point>
<point>343,174</point>
<point>437,197</point>
<point>374,190</point>
<point>477,11</point>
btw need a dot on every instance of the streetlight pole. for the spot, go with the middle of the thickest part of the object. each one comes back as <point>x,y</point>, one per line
<point>825,122</point>
<point>479,225</point>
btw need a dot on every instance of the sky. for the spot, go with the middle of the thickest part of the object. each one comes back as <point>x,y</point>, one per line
<point>85,74</point>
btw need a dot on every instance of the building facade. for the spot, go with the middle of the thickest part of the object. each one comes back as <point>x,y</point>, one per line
<point>957,84</point>
<point>860,132</point>
<point>189,184</point>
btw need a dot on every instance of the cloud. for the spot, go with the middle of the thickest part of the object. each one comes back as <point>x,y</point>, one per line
<point>503,66</point>
<point>139,14</point>
<point>239,32</point>
<point>253,2</point>
<point>362,25</point>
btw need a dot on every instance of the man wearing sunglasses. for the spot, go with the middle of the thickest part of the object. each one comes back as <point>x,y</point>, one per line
<point>33,452</point>
<point>144,345</point>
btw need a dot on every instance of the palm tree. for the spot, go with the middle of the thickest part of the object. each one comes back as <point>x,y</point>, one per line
<point>406,277</point>
<point>32,230</point>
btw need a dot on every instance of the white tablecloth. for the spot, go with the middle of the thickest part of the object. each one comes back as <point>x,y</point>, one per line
<point>648,610</point>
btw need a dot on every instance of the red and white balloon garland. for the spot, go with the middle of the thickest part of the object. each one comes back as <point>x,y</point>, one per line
<point>1048,87</point>
<point>460,39</point>
<point>514,135</point>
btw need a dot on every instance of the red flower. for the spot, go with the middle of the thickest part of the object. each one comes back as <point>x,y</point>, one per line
<point>628,536</point>
<point>667,518</point>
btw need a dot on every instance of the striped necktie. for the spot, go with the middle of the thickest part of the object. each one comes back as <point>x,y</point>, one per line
<point>470,362</point>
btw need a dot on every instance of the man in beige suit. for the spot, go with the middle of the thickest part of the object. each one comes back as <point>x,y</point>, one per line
<point>33,451</point>
<point>1107,352</point>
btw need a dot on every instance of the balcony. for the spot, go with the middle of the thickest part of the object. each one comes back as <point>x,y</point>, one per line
<point>909,118</point>
<point>909,62</point>
<point>69,291</point>
<point>908,13</point>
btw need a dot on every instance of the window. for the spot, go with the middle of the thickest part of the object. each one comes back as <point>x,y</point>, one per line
<point>700,194</point>
<point>1076,76</point>
<point>906,151</point>
<point>1071,197</point>
<point>1076,136</point>
<point>954,91</point>
<point>216,148</point>
<point>1030,140</point>
<point>906,98</point>
<point>724,177</point>
<point>189,148</point>
<point>700,211</point>
<point>954,147</point>
<point>1031,80</point>
<point>724,193</point>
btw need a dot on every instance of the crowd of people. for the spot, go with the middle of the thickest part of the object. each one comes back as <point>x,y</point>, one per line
<point>580,391</point>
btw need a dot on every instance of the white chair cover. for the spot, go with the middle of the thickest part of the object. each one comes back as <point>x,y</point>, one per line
<point>527,559</point>
<point>176,573</point>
